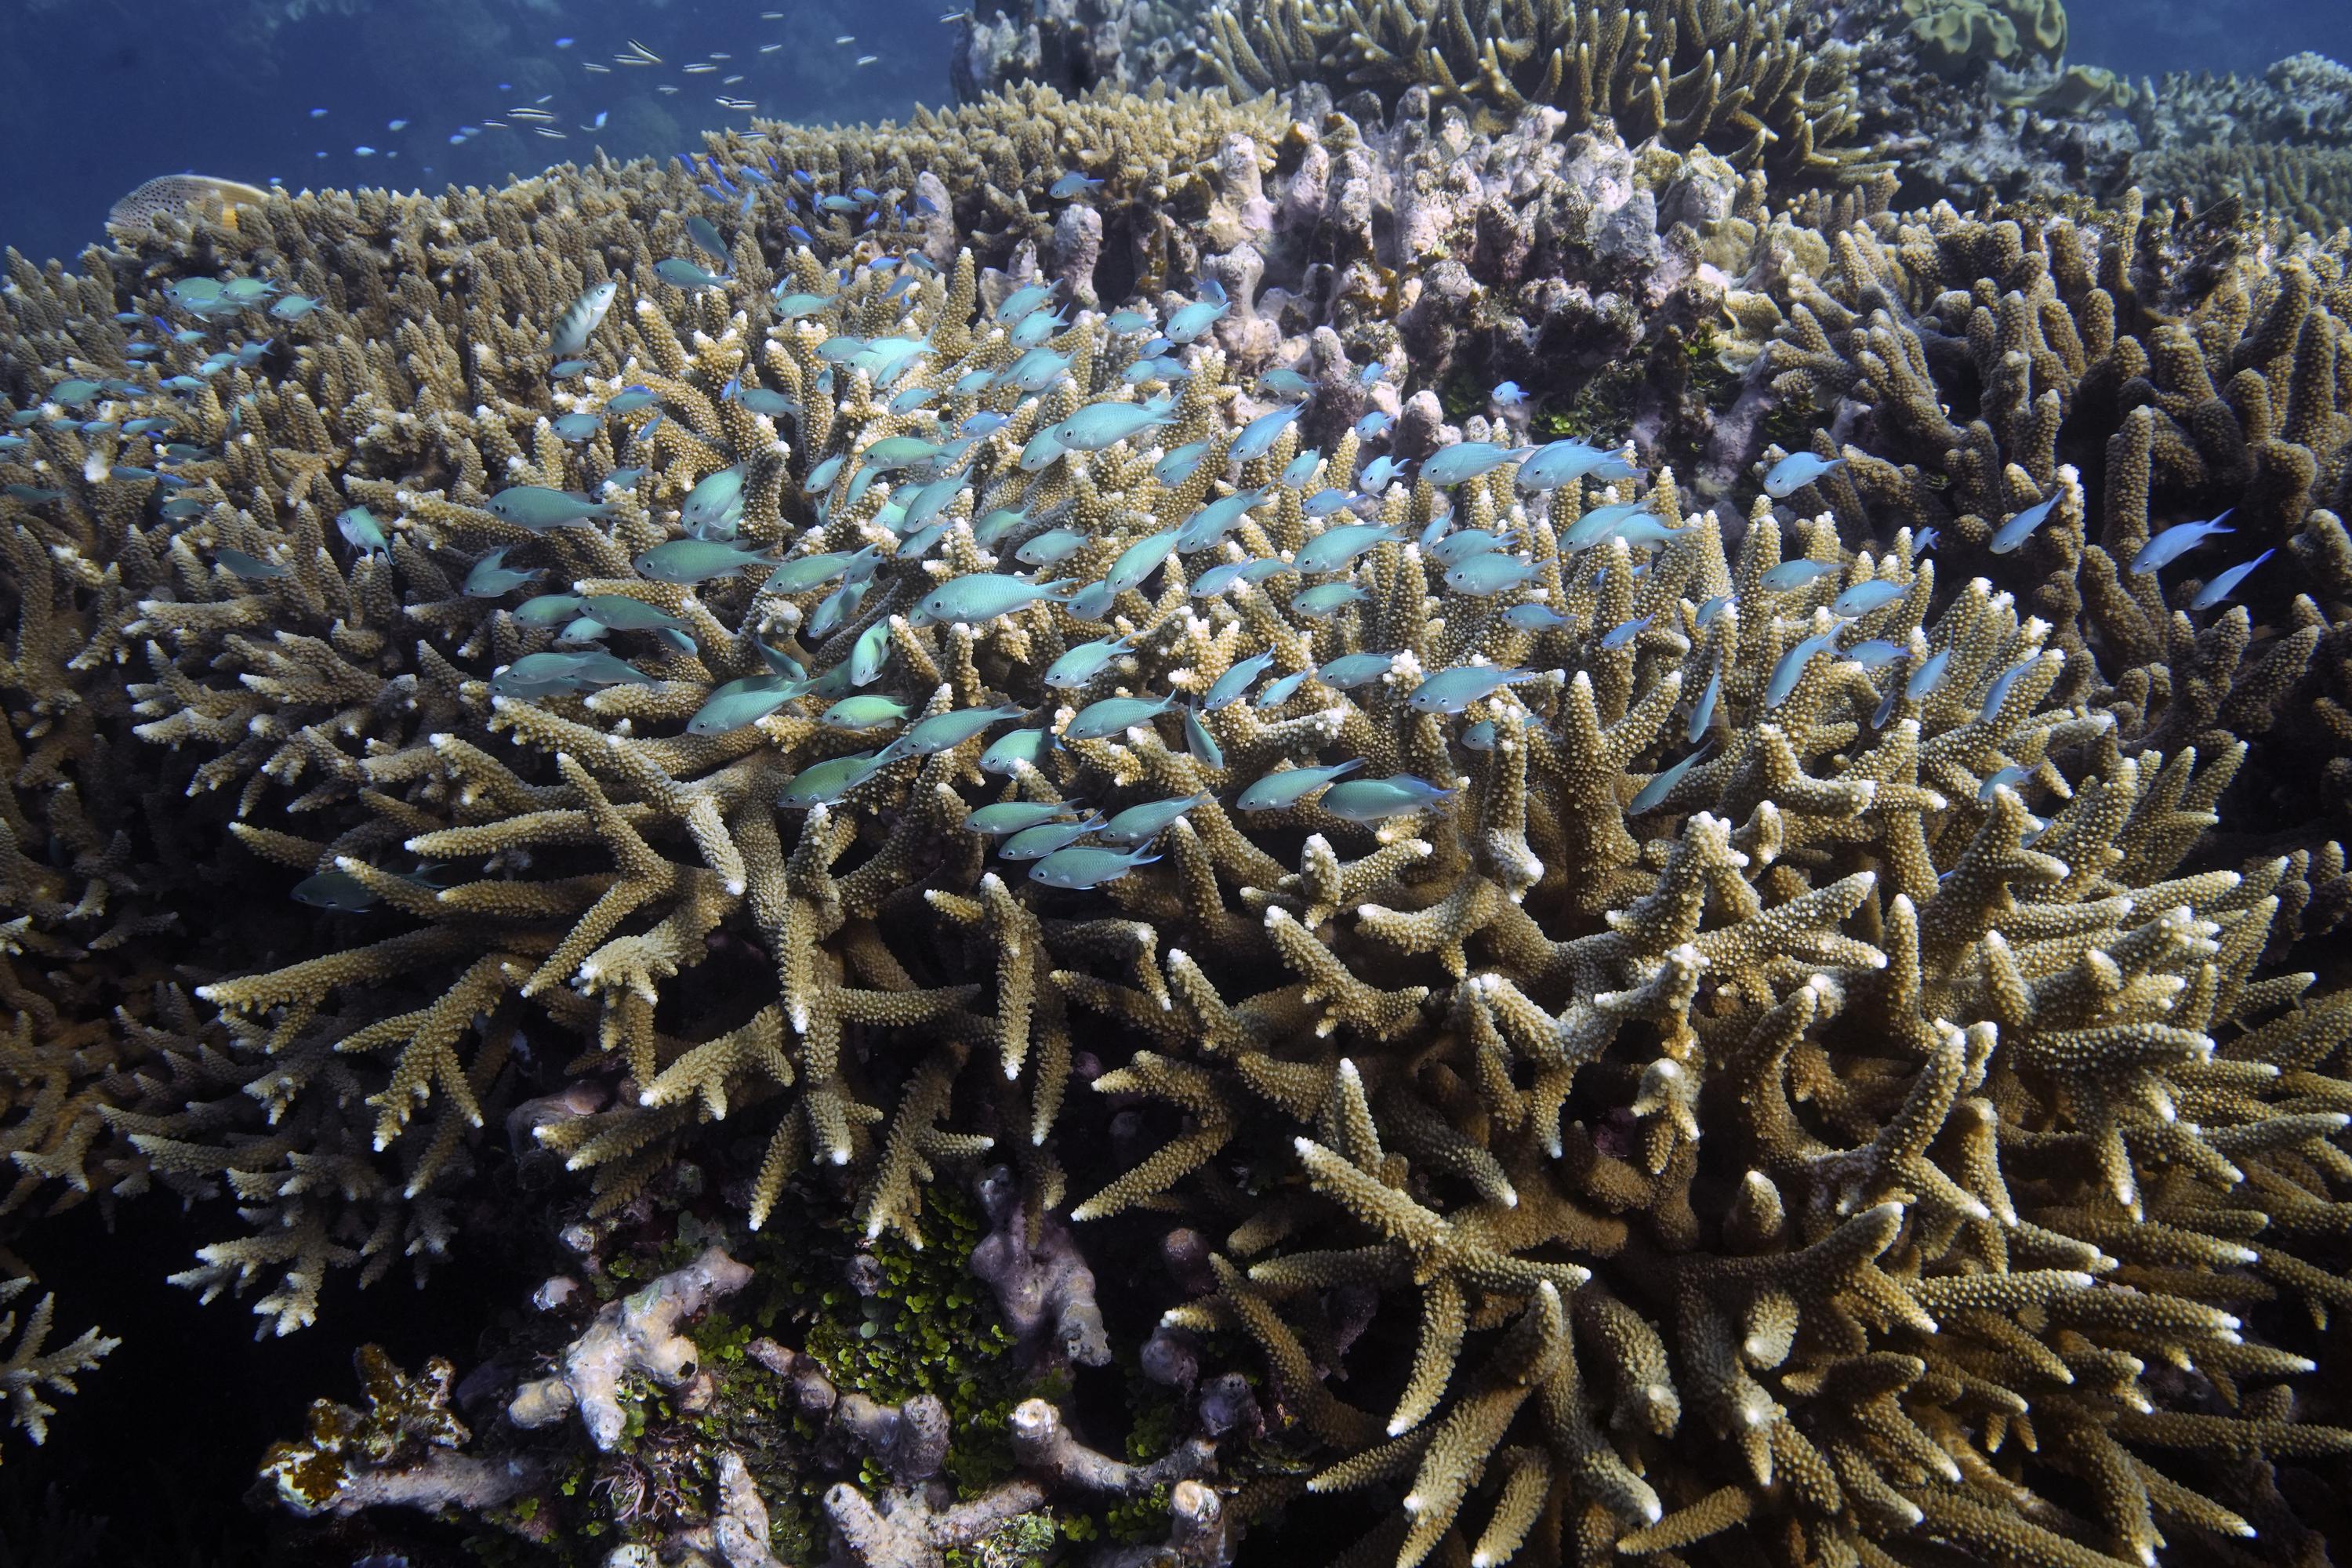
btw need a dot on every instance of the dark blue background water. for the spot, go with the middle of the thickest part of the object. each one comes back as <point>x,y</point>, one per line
<point>98,95</point>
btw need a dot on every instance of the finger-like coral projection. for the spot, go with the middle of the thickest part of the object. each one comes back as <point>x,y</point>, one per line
<point>1745,79</point>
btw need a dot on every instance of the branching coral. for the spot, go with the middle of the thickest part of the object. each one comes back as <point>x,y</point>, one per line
<point>1742,78</point>
<point>1651,1023</point>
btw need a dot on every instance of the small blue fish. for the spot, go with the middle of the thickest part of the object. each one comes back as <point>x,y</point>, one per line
<point>1794,575</point>
<point>1200,743</point>
<point>360,527</point>
<point>1998,693</point>
<point>1257,436</point>
<point>1465,460</point>
<point>1219,578</point>
<point>1791,667</point>
<point>1533,617</point>
<point>1112,715</point>
<point>2226,583</point>
<point>2020,529</point>
<point>682,274</point>
<point>1654,794</point>
<point>1301,468</point>
<point>1278,692</point>
<point>1190,320</point>
<point>1327,599</point>
<point>2176,541</point>
<point>629,400</point>
<point>1036,843</point>
<point>823,784</point>
<point>945,732</point>
<point>1479,737</point>
<point>1338,548</point>
<point>1928,676</point>
<point>1071,184</point>
<point>1876,653</point>
<point>250,568</point>
<point>1139,561</point>
<point>576,428</point>
<point>1280,791</point>
<point>1230,687</point>
<point>337,891</point>
<point>1178,465</point>
<point>1091,604</point>
<point>1350,671</point>
<point>1126,324</point>
<point>1284,382</point>
<point>1051,548</point>
<point>1080,867</point>
<point>1619,637</point>
<point>739,703</point>
<point>1508,395</point>
<point>1081,664</point>
<point>870,654</point>
<point>492,578</point>
<point>1795,471</point>
<point>1864,598</point>
<point>1485,575</point>
<point>1453,691</point>
<point>2002,778</point>
<point>1373,424</point>
<point>1142,824</point>
<point>1023,300</point>
<point>1215,520</point>
<point>1372,801</point>
<point>1323,503</point>
<point>1703,711</point>
<point>1009,752</point>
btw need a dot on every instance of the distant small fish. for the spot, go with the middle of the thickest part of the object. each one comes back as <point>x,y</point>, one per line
<point>1795,471</point>
<point>1508,395</point>
<point>2019,528</point>
<point>1071,184</point>
<point>1794,575</point>
<point>2176,541</point>
<point>2226,583</point>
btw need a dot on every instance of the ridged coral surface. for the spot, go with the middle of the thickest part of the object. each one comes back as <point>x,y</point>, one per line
<point>1657,1029</point>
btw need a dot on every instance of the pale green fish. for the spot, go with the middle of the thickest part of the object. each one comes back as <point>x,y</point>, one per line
<point>538,673</point>
<point>248,290</point>
<point>1142,824</point>
<point>1052,547</point>
<point>294,307</point>
<point>683,274</point>
<point>179,508</point>
<point>1228,687</point>
<point>576,428</point>
<point>1080,866</point>
<point>1091,604</point>
<point>985,597</point>
<point>1215,520</point>
<point>1180,463</point>
<point>548,609</point>
<point>945,732</point>
<point>597,668</point>
<point>1200,743</point>
<point>821,477</point>
<point>870,654</point>
<point>364,533</point>
<point>492,578</point>
<point>780,662</point>
<point>1368,801</point>
<point>581,630</point>
<point>1597,524</point>
<point>537,507</point>
<point>925,502</point>
<point>821,784</point>
<point>1654,794</point>
<point>1013,815</point>
<point>1219,578</point>
<point>1278,693</point>
<point>1035,330</point>
<point>1483,576</point>
<point>1452,690</point>
<point>1794,575</point>
<point>989,529</point>
<point>1100,721</point>
<point>1036,843</point>
<point>1327,599</point>
<point>1644,530</point>
<point>624,614</point>
<point>835,610</point>
<point>701,230</point>
<point>1023,300</point>
<point>918,544</point>
<point>840,349</point>
<point>1336,549</point>
<point>1139,561</point>
<point>1350,671</point>
<point>872,711</point>
<point>1008,753</point>
<point>580,318</point>
<point>1457,547</point>
<point>252,568</point>
<point>629,401</point>
<point>799,576</point>
<point>1035,371</point>
<point>792,306</point>
<point>1258,437</point>
<point>884,359</point>
<point>760,400</point>
<point>1864,598</point>
<point>1084,662</point>
<point>715,501</point>
<point>897,452</point>
<point>1042,450</point>
<point>1099,425</point>
<point>1280,791</point>
<point>740,702</point>
<point>690,560</point>
<point>1466,460</point>
<point>337,891</point>
<point>1786,673</point>
<point>74,393</point>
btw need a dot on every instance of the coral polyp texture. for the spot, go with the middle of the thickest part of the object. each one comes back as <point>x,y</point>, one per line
<point>1035,815</point>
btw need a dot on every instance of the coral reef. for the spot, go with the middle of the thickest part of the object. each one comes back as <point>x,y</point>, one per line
<point>1657,1020</point>
<point>1746,79</point>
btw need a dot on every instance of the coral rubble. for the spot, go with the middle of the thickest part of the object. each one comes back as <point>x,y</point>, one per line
<point>1641,1012</point>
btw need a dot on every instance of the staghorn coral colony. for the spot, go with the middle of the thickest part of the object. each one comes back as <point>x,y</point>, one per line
<point>1092,901</point>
